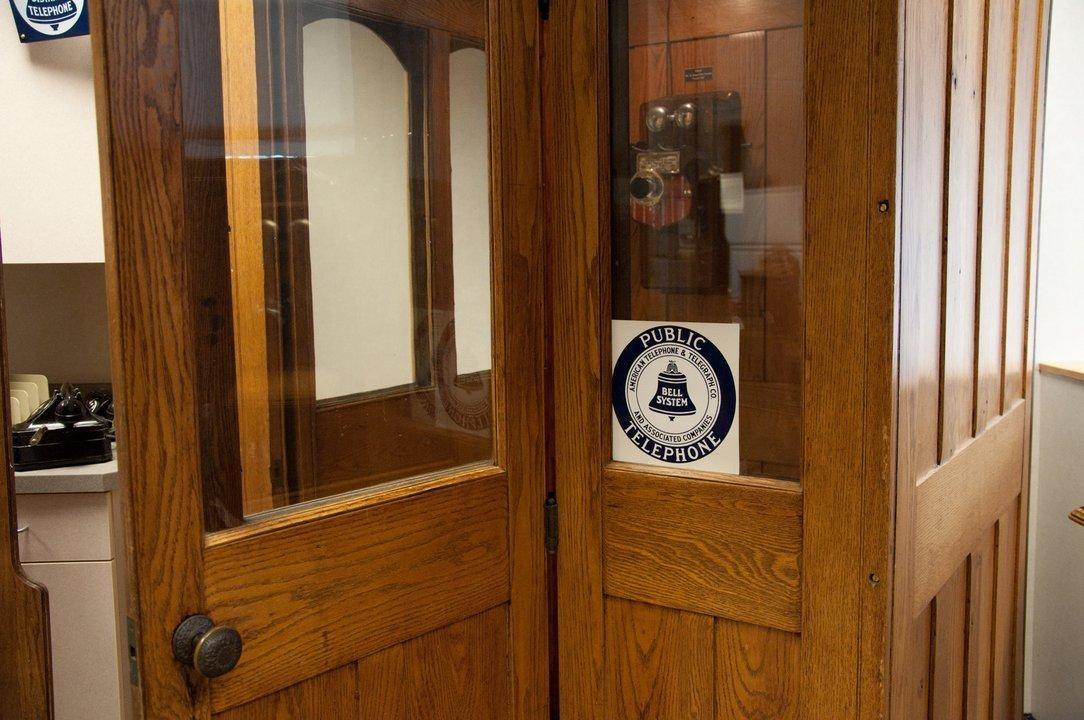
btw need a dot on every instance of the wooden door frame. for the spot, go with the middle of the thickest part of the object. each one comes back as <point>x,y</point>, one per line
<point>149,229</point>
<point>849,389</point>
<point>26,679</point>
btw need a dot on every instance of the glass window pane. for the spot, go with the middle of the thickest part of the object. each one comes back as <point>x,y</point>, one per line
<point>707,232</point>
<point>356,156</point>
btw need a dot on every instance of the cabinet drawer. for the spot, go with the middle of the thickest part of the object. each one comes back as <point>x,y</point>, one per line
<point>64,527</point>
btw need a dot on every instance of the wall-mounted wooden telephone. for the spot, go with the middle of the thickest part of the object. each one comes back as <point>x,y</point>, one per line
<point>688,178</point>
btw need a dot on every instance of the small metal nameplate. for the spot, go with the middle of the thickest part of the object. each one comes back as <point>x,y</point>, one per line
<point>664,163</point>
<point>699,73</point>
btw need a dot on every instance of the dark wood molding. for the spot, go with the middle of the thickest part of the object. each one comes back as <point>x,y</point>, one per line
<point>26,674</point>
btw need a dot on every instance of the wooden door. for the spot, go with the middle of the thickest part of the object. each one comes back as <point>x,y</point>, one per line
<point>329,423</point>
<point>684,592</point>
<point>974,76</point>
<point>797,581</point>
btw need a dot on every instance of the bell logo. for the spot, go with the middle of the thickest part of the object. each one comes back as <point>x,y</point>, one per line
<point>49,19</point>
<point>675,398</point>
<point>672,395</point>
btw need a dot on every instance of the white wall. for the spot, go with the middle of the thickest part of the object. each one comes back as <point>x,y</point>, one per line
<point>1054,550</point>
<point>1060,312</point>
<point>50,193</point>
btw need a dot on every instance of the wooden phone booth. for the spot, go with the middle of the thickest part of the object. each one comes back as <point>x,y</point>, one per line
<point>632,360</point>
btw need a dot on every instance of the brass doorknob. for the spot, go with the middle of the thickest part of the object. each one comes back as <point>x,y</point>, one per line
<point>210,649</point>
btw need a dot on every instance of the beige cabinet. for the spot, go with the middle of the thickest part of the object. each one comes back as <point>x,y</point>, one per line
<point>70,542</point>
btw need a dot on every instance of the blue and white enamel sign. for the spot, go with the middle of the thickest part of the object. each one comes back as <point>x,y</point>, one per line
<point>38,20</point>
<point>675,394</point>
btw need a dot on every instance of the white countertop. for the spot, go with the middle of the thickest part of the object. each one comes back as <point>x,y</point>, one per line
<point>99,477</point>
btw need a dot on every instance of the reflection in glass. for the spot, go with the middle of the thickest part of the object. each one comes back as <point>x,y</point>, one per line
<point>356,134</point>
<point>708,182</point>
<point>357,164</point>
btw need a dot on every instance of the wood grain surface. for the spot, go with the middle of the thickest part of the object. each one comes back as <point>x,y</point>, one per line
<point>718,548</point>
<point>142,146</point>
<point>459,672</point>
<point>958,502</point>
<point>757,672</point>
<point>332,695</point>
<point>355,582</point>
<point>963,509</point>
<point>659,663</point>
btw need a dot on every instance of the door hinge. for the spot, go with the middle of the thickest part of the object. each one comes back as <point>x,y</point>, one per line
<point>544,9</point>
<point>550,512</point>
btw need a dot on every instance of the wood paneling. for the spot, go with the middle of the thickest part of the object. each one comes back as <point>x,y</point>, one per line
<point>963,510</point>
<point>949,650</point>
<point>459,672</point>
<point>1005,598</point>
<point>980,626</point>
<point>323,591</point>
<point>659,663</point>
<point>961,209</point>
<point>955,504</point>
<point>25,674</point>
<point>1030,44</point>
<point>332,695</point>
<point>919,207</point>
<point>648,21</point>
<point>720,548</point>
<point>363,443</point>
<point>757,672</point>
<point>705,18</point>
<point>996,143</point>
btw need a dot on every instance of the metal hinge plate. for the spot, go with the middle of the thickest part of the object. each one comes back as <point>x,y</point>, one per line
<point>550,512</point>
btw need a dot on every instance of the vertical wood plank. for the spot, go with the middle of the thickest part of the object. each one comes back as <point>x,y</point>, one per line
<point>648,21</point>
<point>839,51</point>
<point>995,184</point>
<point>659,663</point>
<point>757,672</point>
<point>141,141</point>
<point>1022,192</point>
<point>981,628</point>
<point>459,672</point>
<point>330,696</point>
<point>961,223</point>
<point>926,52</point>
<point>948,671</point>
<point>514,79</point>
<point>1004,596</point>
<point>880,414</point>
<point>576,111</point>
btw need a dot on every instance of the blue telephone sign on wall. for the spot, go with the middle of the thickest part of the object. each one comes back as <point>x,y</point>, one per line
<point>39,20</point>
